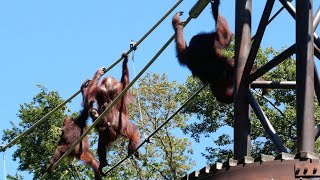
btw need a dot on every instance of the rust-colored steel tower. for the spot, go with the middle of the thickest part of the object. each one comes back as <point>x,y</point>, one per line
<point>305,164</point>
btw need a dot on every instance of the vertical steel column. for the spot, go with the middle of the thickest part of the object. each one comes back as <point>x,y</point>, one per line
<point>242,145</point>
<point>305,76</point>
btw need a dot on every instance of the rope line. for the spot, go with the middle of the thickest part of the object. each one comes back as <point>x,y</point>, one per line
<point>74,95</point>
<point>136,85</point>
<point>38,122</point>
<point>161,126</point>
<point>147,34</point>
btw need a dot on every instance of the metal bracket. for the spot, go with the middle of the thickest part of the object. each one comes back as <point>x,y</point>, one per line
<point>307,169</point>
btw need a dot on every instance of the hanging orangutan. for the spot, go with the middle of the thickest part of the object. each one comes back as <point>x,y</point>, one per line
<point>204,58</point>
<point>116,122</point>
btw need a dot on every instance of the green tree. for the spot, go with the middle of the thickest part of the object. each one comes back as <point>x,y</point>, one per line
<point>35,150</point>
<point>279,106</point>
<point>167,157</point>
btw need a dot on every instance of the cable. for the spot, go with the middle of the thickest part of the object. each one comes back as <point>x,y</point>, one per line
<point>148,138</point>
<point>132,45</point>
<point>110,67</point>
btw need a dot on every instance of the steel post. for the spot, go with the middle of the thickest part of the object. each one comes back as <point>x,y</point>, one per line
<point>242,144</point>
<point>305,76</point>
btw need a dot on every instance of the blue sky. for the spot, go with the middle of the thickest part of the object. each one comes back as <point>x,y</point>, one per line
<point>59,43</point>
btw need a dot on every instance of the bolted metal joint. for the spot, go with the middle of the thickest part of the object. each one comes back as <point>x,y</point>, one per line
<point>315,170</point>
<point>307,169</point>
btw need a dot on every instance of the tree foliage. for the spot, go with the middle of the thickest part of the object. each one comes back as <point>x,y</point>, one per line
<point>35,150</point>
<point>167,157</point>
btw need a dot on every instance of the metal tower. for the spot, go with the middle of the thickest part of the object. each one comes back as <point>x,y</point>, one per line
<point>305,164</point>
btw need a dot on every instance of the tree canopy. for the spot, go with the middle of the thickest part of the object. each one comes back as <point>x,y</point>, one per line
<point>166,157</point>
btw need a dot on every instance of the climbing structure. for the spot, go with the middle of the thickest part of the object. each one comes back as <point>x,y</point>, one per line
<point>304,164</point>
